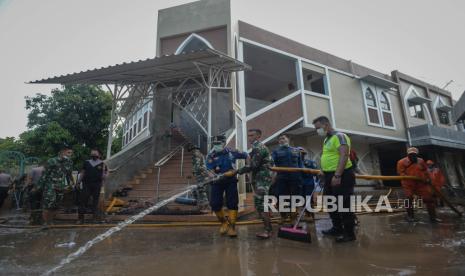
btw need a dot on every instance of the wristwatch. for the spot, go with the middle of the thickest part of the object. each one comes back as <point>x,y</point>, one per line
<point>337,176</point>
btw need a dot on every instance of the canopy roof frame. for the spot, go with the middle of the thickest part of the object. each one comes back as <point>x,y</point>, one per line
<point>129,83</point>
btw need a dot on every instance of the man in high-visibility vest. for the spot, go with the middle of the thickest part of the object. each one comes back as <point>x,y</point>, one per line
<point>339,178</point>
<point>412,165</point>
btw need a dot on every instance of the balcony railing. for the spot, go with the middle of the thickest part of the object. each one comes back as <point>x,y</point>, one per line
<point>424,135</point>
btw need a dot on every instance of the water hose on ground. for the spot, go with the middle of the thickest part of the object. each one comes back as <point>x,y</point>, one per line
<point>150,225</point>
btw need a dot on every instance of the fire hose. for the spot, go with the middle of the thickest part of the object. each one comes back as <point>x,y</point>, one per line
<point>377,177</point>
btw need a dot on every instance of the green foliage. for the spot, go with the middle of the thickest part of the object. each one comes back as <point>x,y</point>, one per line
<point>78,115</point>
<point>81,109</point>
<point>45,140</point>
<point>117,142</point>
<point>9,143</point>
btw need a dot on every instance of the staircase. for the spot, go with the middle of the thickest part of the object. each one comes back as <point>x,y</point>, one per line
<point>165,178</point>
<point>144,185</point>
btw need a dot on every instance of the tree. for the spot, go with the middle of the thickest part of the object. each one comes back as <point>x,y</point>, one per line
<point>76,114</point>
<point>45,141</point>
<point>9,143</point>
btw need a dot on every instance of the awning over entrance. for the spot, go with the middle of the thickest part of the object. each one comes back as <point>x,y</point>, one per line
<point>158,69</point>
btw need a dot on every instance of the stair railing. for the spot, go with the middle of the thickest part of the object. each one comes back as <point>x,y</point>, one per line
<point>163,161</point>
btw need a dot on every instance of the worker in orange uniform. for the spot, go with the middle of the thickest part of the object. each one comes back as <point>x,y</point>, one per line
<point>437,177</point>
<point>412,165</point>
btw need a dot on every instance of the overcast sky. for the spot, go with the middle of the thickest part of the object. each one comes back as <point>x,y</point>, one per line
<point>423,38</point>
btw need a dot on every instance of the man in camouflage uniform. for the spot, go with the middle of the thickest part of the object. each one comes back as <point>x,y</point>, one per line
<point>55,181</point>
<point>260,163</point>
<point>200,172</point>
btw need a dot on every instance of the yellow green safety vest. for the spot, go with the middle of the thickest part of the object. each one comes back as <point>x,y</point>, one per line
<point>330,155</point>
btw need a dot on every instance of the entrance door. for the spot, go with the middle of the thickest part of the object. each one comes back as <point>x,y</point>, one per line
<point>388,157</point>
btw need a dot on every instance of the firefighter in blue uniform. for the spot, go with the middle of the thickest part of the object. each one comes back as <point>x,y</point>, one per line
<point>221,160</point>
<point>286,183</point>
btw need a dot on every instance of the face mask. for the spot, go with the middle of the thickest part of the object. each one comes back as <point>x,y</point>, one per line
<point>217,148</point>
<point>413,158</point>
<point>66,157</point>
<point>321,132</point>
<point>285,145</point>
<point>94,157</point>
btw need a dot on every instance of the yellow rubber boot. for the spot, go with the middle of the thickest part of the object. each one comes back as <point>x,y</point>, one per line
<point>224,222</point>
<point>232,223</point>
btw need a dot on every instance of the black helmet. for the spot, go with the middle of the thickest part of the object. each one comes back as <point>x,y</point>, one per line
<point>219,139</point>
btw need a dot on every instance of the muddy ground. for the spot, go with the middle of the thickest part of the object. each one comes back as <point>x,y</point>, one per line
<point>386,245</point>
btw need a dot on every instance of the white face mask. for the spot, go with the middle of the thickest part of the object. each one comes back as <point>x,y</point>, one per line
<point>321,132</point>
<point>217,148</point>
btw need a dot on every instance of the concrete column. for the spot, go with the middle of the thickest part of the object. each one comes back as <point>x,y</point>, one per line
<point>160,123</point>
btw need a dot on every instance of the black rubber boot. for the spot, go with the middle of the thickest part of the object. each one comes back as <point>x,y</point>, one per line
<point>432,214</point>
<point>410,217</point>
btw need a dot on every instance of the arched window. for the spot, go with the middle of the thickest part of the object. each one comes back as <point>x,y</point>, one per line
<point>383,102</point>
<point>377,105</point>
<point>388,120</point>
<point>193,43</point>
<point>370,98</point>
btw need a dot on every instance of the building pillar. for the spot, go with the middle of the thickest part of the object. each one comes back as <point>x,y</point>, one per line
<point>160,123</point>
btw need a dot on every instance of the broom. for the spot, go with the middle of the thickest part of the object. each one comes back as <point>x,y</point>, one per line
<point>294,233</point>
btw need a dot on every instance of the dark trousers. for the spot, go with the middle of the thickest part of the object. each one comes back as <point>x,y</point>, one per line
<point>228,187</point>
<point>287,186</point>
<point>90,190</point>
<point>342,221</point>
<point>3,195</point>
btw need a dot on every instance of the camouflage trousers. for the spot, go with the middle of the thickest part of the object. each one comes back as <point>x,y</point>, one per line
<point>200,193</point>
<point>51,198</point>
<point>262,183</point>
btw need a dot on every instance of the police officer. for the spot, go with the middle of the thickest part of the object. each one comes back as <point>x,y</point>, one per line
<point>287,183</point>
<point>200,172</point>
<point>55,181</point>
<point>339,177</point>
<point>260,163</point>
<point>221,160</point>
<point>92,175</point>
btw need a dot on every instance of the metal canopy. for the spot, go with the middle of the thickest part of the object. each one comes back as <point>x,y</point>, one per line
<point>379,81</point>
<point>134,82</point>
<point>158,69</point>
